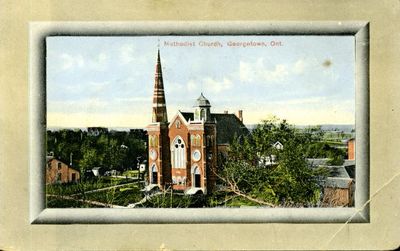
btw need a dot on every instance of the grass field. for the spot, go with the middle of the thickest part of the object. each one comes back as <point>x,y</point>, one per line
<point>62,195</point>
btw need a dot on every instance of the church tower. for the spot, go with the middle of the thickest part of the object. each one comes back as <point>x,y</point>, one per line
<point>159,156</point>
<point>203,131</point>
<point>159,106</point>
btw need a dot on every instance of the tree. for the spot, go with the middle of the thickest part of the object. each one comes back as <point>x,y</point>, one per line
<point>90,159</point>
<point>288,180</point>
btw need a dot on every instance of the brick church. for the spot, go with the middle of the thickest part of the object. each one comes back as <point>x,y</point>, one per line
<point>183,152</point>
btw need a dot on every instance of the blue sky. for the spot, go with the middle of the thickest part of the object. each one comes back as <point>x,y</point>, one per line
<point>108,81</point>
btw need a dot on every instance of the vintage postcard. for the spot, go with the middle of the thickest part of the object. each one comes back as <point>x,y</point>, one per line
<point>211,121</point>
<point>121,130</point>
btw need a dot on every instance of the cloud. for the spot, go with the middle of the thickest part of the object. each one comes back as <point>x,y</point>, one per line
<point>99,62</point>
<point>83,119</point>
<point>71,61</point>
<point>88,105</point>
<point>300,101</point>
<point>307,111</point>
<point>299,66</point>
<point>192,86</point>
<point>127,53</point>
<point>258,72</point>
<point>217,86</point>
<point>98,86</point>
<point>209,84</point>
<point>78,61</point>
<point>174,87</point>
<point>134,99</point>
<point>73,89</point>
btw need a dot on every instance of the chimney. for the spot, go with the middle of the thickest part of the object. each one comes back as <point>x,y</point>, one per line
<point>240,115</point>
<point>70,159</point>
<point>225,112</point>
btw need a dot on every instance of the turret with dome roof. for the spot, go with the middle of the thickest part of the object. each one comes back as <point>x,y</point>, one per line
<point>202,109</point>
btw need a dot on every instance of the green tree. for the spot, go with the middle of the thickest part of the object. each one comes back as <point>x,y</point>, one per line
<point>261,173</point>
<point>90,159</point>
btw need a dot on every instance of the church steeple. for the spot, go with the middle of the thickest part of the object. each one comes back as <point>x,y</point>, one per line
<point>159,104</point>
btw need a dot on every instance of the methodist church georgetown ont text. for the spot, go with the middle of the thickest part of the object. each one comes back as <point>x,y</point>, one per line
<point>183,152</point>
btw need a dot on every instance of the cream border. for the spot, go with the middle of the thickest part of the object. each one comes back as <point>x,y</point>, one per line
<point>16,232</point>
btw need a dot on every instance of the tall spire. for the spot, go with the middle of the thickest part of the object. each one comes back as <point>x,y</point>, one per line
<point>159,104</point>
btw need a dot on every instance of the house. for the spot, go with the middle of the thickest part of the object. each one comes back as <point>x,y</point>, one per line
<point>278,145</point>
<point>271,159</point>
<point>96,131</point>
<point>338,187</point>
<point>351,149</point>
<point>98,171</point>
<point>59,172</point>
<point>183,152</point>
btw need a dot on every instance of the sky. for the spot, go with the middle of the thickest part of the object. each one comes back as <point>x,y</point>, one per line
<point>108,81</point>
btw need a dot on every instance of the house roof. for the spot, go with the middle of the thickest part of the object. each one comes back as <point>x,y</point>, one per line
<point>338,182</point>
<point>48,158</point>
<point>338,172</point>
<point>188,115</point>
<point>228,125</point>
<point>334,171</point>
<point>348,162</point>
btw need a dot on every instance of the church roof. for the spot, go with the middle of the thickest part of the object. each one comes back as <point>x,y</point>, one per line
<point>188,115</point>
<point>228,125</point>
<point>202,101</point>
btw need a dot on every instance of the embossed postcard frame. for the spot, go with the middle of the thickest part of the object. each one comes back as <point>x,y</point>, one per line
<point>39,214</point>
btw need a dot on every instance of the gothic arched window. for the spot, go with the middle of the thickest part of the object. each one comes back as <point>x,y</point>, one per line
<point>178,153</point>
<point>198,140</point>
<point>155,140</point>
<point>151,141</point>
<point>195,140</point>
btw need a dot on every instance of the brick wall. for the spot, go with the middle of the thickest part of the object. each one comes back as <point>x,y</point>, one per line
<point>59,172</point>
<point>351,149</point>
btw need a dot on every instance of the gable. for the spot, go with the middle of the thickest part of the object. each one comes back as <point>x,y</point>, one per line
<point>178,122</point>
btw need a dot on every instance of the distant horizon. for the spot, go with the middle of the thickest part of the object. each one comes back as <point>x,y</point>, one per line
<point>128,128</point>
<point>108,81</point>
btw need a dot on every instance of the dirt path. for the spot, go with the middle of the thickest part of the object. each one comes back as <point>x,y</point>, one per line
<point>147,197</point>
<point>104,188</point>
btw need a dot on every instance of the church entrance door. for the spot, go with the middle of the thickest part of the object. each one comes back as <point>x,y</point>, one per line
<point>197,180</point>
<point>196,177</point>
<point>154,178</point>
